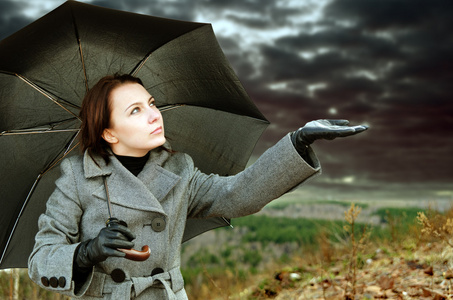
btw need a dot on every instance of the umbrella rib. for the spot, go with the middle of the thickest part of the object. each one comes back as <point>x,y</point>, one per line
<point>79,42</point>
<point>36,131</point>
<point>178,105</point>
<point>31,192</point>
<point>43,92</point>
<point>170,107</point>
<point>18,217</point>
<point>83,63</point>
<point>141,64</point>
<point>72,141</point>
<point>228,222</point>
<point>54,163</point>
<point>143,61</point>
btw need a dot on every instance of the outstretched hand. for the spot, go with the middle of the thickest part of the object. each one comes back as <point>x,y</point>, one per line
<point>323,129</point>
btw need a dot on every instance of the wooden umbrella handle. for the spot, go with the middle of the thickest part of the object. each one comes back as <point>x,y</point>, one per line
<point>131,254</point>
<point>136,255</point>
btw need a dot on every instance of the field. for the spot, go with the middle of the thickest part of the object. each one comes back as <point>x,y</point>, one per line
<point>236,262</point>
<point>295,248</point>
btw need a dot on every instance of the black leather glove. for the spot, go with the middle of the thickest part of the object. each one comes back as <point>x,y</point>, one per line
<point>322,129</point>
<point>107,242</point>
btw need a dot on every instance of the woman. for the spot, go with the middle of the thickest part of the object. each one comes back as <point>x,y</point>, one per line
<point>127,160</point>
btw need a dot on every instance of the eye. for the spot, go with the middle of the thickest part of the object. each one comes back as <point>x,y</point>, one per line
<point>151,102</point>
<point>135,110</point>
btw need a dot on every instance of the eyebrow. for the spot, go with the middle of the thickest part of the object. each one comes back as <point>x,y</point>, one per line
<point>138,103</point>
<point>135,103</point>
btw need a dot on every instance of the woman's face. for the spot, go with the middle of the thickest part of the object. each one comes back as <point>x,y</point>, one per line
<point>136,125</point>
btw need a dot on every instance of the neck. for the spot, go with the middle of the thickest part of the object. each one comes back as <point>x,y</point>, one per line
<point>134,164</point>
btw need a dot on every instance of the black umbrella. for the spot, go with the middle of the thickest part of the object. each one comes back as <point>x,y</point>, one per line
<point>46,69</point>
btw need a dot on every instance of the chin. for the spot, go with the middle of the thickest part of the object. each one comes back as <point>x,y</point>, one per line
<point>159,143</point>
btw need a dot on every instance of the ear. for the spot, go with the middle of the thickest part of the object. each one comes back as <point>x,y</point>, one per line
<point>108,136</point>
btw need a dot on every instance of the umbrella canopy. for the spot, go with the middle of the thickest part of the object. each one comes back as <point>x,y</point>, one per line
<point>47,67</point>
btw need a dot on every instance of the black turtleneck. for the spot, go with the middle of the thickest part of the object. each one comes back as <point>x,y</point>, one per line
<point>133,164</point>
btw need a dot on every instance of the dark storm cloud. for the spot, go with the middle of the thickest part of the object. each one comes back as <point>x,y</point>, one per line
<point>421,36</point>
<point>281,64</point>
<point>396,14</point>
<point>344,40</point>
<point>180,10</point>
<point>259,15</point>
<point>388,63</point>
<point>12,17</point>
<point>267,18</point>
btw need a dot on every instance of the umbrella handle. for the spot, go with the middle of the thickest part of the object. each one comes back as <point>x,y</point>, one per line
<point>136,255</point>
<point>131,254</point>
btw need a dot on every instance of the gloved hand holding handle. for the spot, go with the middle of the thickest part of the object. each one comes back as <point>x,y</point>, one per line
<point>322,129</point>
<point>107,242</point>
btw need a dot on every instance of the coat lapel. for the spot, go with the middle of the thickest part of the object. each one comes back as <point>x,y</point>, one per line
<point>143,192</point>
<point>157,179</point>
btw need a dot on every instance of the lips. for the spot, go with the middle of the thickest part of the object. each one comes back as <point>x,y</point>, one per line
<point>157,130</point>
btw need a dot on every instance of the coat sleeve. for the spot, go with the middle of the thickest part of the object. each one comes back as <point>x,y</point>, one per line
<point>50,264</point>
<point>279,170</point>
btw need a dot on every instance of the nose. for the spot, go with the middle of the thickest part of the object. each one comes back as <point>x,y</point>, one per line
<point>154,115</point>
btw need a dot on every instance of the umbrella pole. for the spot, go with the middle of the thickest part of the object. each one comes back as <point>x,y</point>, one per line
<point>109,205</point>
<point>131,254</point>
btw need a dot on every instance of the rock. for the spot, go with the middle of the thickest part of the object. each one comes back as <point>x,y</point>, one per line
<point>295,276</point>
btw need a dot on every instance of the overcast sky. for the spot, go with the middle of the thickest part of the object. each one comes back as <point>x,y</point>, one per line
<point>387,64</point>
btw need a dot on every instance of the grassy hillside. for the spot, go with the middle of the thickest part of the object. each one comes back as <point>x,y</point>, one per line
<point>261,244</point>
<point>280,254</point>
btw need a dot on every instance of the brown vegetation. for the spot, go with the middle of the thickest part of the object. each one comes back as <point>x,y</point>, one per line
<point>412,262</point>
<point>414,266</point>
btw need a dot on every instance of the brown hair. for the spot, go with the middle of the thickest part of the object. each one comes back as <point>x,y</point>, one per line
<point>95,113</point>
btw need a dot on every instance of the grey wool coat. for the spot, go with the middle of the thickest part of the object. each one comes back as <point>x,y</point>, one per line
<point>169,188</point>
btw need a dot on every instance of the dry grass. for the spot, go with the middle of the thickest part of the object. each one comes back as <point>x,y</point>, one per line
<point>416,264</point>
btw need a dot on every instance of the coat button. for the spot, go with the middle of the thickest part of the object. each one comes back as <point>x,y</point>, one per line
<point>53,282</point>
<point>156,271</point>
<point>45,281</point>
<point>158,224</point>
<point>62,282</point>
<point>118,275</point>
